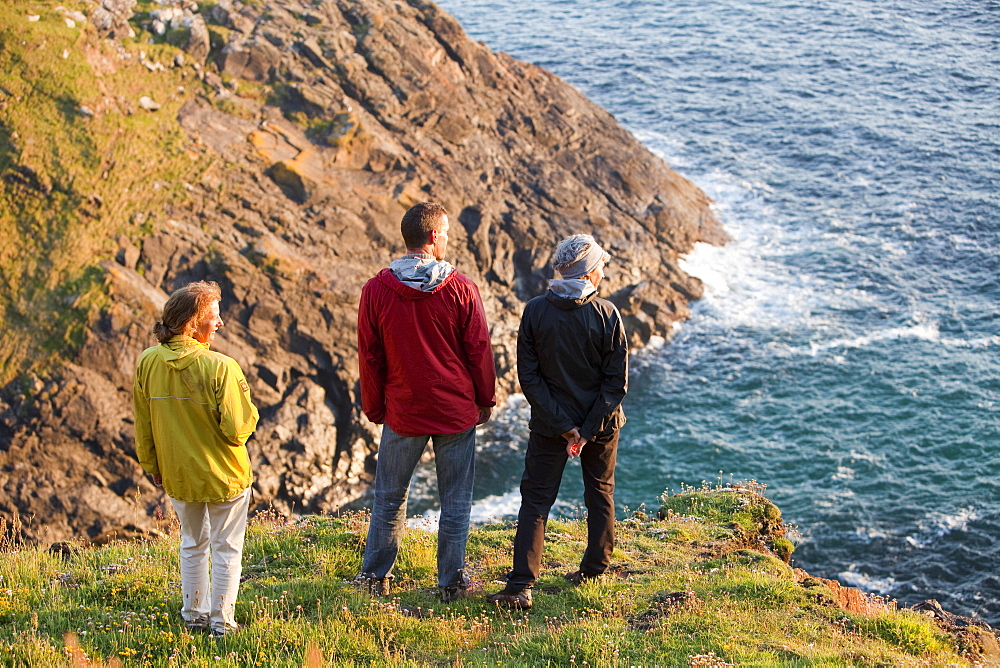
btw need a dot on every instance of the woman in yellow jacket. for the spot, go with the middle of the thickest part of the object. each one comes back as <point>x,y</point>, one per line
<point>193,416</point>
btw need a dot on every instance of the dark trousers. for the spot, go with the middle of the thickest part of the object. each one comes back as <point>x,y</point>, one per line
<point>543,468</point>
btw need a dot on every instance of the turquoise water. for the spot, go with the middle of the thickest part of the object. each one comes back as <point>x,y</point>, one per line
<point>846,353</point>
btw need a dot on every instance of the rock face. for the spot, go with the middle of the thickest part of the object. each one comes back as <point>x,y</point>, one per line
<point>353,111</point>
<point>111,17</point>
<point>979,642</point>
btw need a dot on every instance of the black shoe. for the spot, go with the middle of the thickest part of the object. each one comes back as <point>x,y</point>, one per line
<point>516,600</point>
<point>579,577</point>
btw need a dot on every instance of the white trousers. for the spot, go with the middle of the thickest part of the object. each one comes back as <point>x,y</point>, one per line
<point>219,528</point>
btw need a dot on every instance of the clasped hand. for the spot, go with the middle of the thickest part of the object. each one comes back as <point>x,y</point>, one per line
<point>574,442</point>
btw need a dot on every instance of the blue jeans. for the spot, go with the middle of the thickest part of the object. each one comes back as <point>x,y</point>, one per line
<point>454,456</point>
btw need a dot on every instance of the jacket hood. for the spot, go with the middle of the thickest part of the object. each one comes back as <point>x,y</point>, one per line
<point>410,290</point>
<point>572,288</point>
<point>181,351</point>
<point>423,273</point>
<point>569,297</point>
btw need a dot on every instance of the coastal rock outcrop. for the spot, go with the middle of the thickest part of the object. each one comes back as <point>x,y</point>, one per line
<point>320,123</point>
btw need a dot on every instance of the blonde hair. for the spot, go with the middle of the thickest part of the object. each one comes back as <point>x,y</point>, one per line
<point>192,301</point>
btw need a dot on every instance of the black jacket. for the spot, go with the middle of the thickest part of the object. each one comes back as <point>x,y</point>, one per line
<point>572,363</point>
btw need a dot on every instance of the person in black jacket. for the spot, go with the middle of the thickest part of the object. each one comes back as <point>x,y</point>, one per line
<point>572,363</point>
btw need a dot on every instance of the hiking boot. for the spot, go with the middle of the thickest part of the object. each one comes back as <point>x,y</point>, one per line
<point>199,623</point>
<point>516,600</point>
<point>223,631</point>
<point>453,593</point>
<point>373,585</point>
<point>460,589</point>
<point>579,577</point>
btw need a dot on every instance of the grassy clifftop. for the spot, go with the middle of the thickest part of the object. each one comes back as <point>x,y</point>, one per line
<point>700,585</point>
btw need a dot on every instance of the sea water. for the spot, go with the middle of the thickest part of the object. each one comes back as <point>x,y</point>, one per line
<point>847,350</point>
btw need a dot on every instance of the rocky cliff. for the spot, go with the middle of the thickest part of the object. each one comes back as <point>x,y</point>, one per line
<point>311,127</point>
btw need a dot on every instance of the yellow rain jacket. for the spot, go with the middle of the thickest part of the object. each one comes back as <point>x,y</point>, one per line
<point>193,416</point>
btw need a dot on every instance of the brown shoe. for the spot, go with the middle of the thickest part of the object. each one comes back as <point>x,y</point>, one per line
<point>579,577</point>
<point>372,585</point>
<point>516,600</point>
<point>458,590</point>
<point>453,593</point>
<point>199,623</point>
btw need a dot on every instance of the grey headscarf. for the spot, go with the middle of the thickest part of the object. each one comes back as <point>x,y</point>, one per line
<point>575,257</point>
<point>578,255</point>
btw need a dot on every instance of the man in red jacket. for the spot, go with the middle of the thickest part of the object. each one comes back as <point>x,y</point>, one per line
<point>427,373</point>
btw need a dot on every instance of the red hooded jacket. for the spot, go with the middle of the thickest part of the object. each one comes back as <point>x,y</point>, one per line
<point>426,359</point>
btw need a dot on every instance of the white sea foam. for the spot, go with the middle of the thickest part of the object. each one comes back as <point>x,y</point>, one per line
<point>843,473</point>
<point>649,355</point>
<point>868,534</point>
<point>866,582</point>
<point>974,344</point>
<point>924,332</point>
<point>964,243</point>
<point>958,520</point>
<point>489,509</point>
<point>866,457</point>
<point>496,507</point>
<point>937,525</point>
<point>917,332</point>
<point>747,285</point>
<point>746,288</point>
<point>748,282</point>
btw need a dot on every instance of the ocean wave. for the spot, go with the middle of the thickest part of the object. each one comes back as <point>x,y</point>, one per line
<point>870,534</point>
<point>921,332</point>
<point>924,332</point>
<point>746,286</point>
<point>866,457</point>
<point>974,344</point>
<point>748,281</point>
<point>497,507</point>
<point>843,473</point>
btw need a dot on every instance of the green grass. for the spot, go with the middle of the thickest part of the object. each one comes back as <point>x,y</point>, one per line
<point>72,183</point>
<point>668,600</point>
<point>737,511</point>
